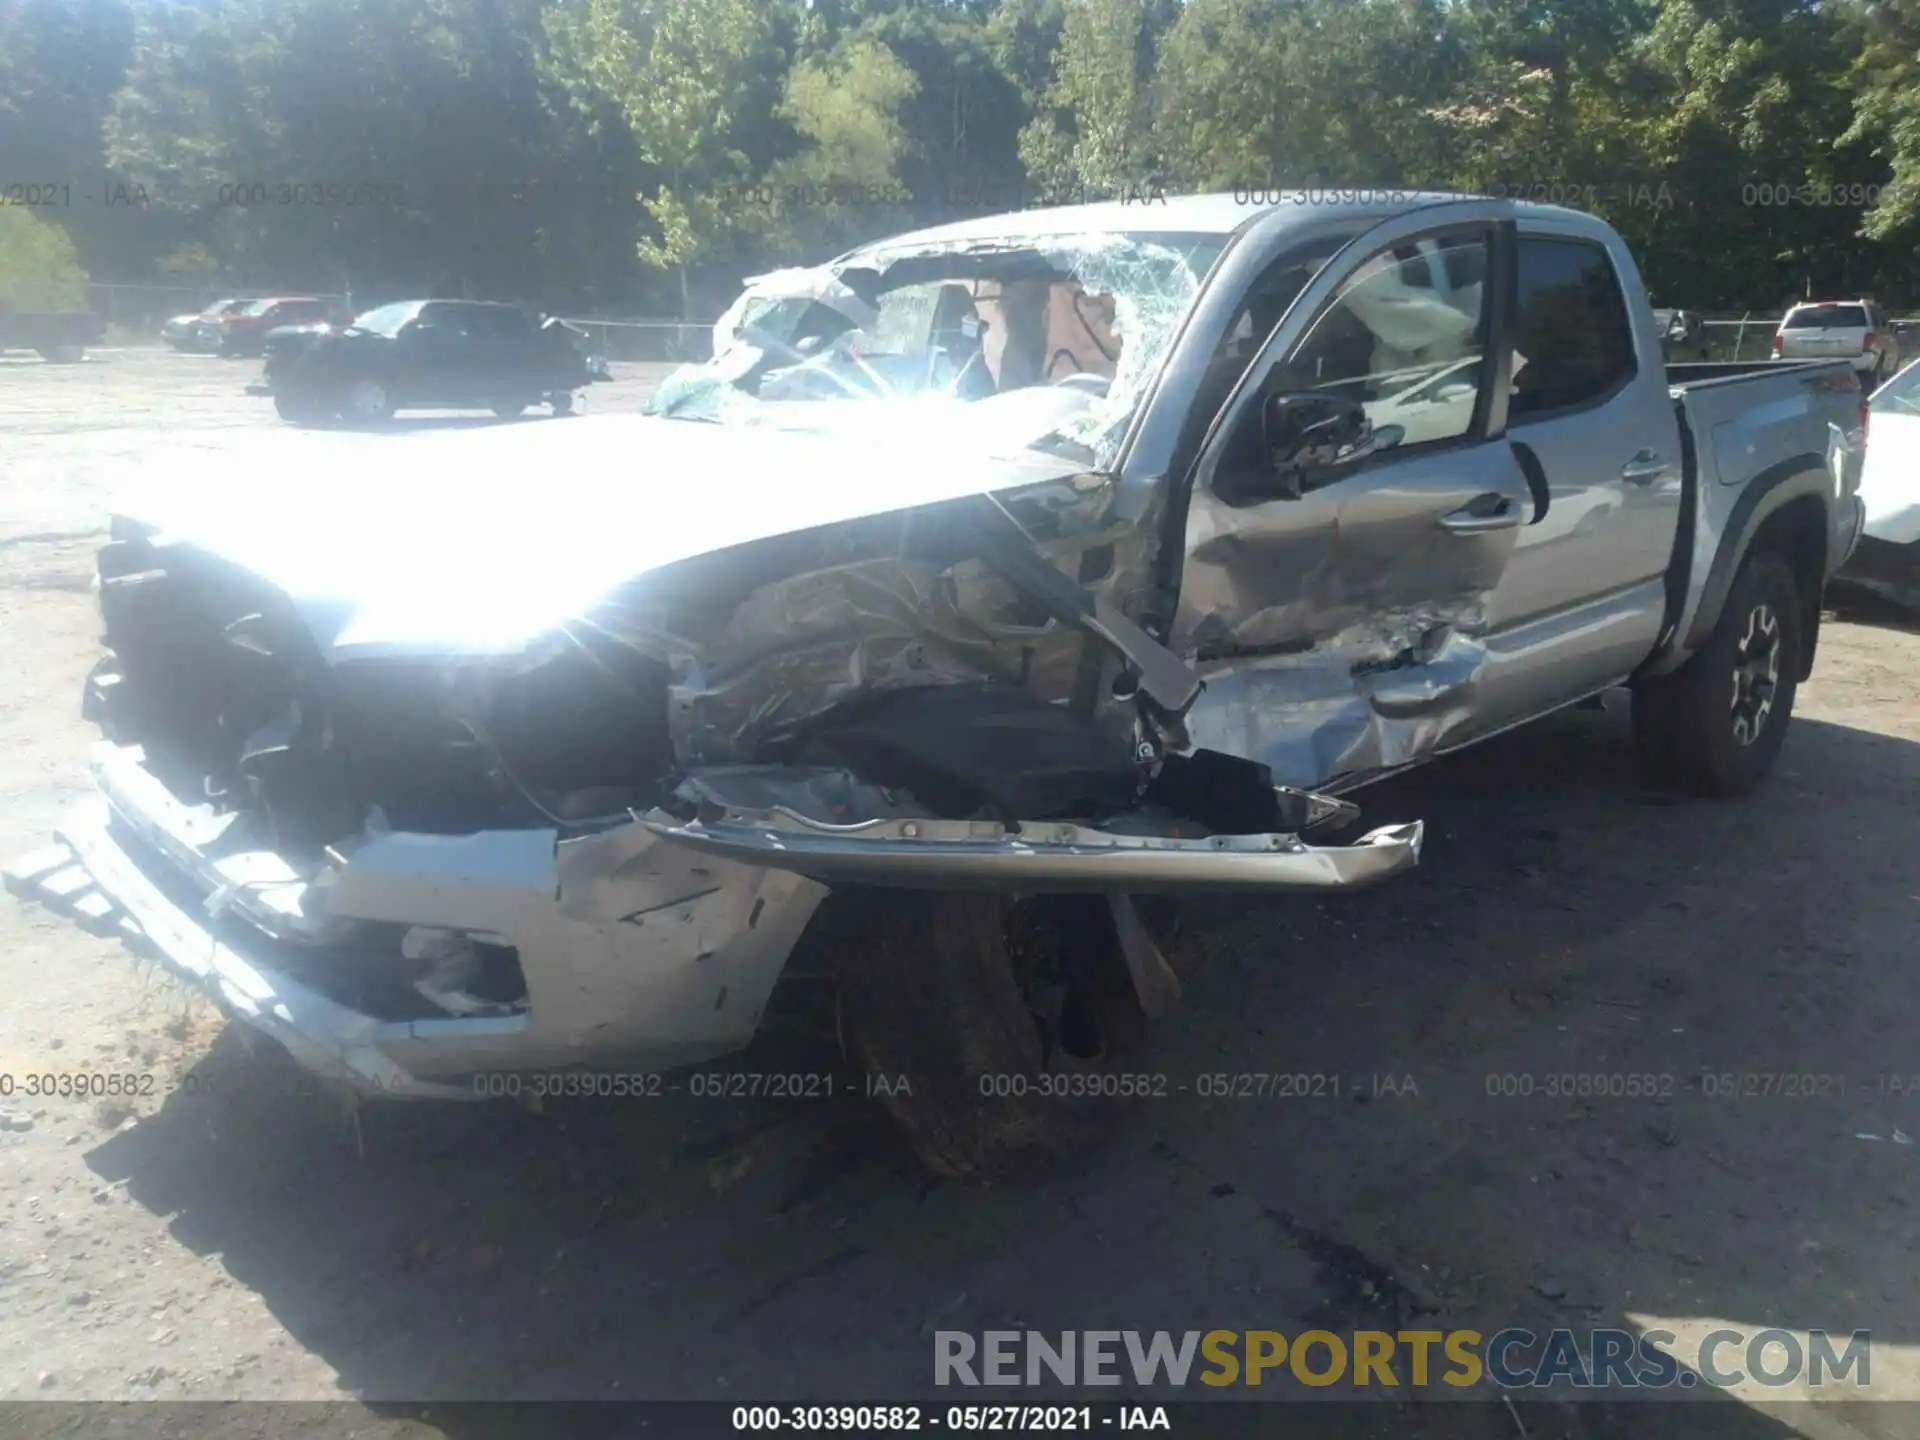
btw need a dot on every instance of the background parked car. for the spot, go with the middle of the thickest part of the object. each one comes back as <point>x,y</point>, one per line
<point>244,332</point>
<point>1887,561</point>
<point>426,354</point>
<point>199,333</point>
<point>1683,336</point>
<point>60,336</point>
<point>1856,330</point>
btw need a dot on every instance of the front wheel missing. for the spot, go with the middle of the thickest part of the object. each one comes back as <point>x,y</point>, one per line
<point>994,1032</point>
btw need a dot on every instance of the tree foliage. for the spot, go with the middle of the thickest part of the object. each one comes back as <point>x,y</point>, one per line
<point>38,267</point>
<point>643,154</point>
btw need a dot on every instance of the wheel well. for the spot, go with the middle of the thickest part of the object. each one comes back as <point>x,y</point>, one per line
<point>1797,531</point>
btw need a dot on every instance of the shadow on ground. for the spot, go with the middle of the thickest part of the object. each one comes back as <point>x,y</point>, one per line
<point>1565,922</point>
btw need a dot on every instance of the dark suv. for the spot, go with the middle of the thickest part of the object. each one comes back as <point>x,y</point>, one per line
<point>427,354</point>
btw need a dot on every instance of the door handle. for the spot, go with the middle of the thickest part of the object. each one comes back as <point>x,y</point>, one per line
<point>1643,469</point>
<point>1491,511</point>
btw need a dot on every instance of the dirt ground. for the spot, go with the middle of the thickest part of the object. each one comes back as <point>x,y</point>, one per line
<point>251,1240</point>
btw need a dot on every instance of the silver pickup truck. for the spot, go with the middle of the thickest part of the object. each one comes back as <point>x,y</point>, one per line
<point>987,584</point>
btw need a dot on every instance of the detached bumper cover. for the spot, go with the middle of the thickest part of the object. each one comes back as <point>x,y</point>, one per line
<point>1040,855</point>
<point>637,954</point>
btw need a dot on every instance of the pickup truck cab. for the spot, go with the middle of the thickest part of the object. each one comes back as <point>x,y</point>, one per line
<point>986,579</point>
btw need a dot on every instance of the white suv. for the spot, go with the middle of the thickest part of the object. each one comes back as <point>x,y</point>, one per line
<point>1856,330</point>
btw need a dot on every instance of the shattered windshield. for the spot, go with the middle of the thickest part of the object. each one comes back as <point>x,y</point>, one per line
<point>1047,342</point>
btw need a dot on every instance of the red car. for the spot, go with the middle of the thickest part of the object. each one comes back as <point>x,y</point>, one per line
<point>245,330</point>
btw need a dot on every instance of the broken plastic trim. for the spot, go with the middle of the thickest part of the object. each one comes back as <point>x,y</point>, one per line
<point>1037,856</point>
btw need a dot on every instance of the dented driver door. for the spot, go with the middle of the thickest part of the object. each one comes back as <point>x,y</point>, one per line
<point>1336,610</point>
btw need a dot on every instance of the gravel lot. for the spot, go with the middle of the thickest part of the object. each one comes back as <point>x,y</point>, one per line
<point>246,1241</point>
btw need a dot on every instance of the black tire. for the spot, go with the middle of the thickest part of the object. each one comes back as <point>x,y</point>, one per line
<point>63,354</point>
<point>510,412</point>
<point>1716,723</point>
<point>366,400</point>
<point>562,403</point>
<point>940,991</point>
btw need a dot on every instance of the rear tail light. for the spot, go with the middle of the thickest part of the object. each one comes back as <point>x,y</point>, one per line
<point>1871,341</point>
<point>1776,346</point>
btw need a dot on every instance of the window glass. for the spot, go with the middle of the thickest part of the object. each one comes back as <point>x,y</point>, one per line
<point>1826,317</point>
<point>488,322</point>
<point>1405,336</point>
<point>1572,341</point>
<point>448,319</point>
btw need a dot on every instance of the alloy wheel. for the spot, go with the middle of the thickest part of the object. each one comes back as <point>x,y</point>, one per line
<point>1756,674</point>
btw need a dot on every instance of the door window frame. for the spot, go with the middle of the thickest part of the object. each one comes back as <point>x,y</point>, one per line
<point>1494,222</point>
<point>1612,392</point>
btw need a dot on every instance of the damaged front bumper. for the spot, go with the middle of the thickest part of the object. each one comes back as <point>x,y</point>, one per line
<point>1040,856</point>
<point>648,946</point>
<point>636,953</point>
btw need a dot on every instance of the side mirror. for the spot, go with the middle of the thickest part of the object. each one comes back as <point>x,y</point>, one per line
<point>1308,435</point>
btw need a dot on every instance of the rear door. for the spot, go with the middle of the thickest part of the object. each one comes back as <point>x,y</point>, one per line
<point>506,366</point>
<point>1582,600</point>
<point>434,359</point>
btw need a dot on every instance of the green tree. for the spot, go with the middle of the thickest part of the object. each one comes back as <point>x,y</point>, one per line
<point>681,75</point>
<point>39,269</point>
<point>1094,131</point>
<point>843,184</point>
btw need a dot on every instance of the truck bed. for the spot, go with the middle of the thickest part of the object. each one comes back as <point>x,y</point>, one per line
<point>1746,426</point>
<point>1694,372</point>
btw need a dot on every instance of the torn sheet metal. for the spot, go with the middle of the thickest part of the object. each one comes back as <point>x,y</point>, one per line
<point>799,647</point>
<point>1377,699</point>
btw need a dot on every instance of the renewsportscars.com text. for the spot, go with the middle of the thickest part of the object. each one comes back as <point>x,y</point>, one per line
<point>1513,1358</point>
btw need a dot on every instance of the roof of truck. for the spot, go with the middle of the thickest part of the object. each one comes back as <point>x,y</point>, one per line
<point>1218,213</point>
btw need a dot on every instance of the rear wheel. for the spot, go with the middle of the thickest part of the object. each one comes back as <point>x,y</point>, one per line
<point>510,412</point>
<point>63,354</point>
<point>994,1032</point>
<point>368,401</point>
<point>562,403</point>
<point>1715,725</point>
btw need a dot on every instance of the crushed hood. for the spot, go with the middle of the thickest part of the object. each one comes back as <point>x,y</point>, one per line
<point>478,540</point>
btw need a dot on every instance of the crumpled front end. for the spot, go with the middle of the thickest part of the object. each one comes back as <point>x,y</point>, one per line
<point>415,868</point>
